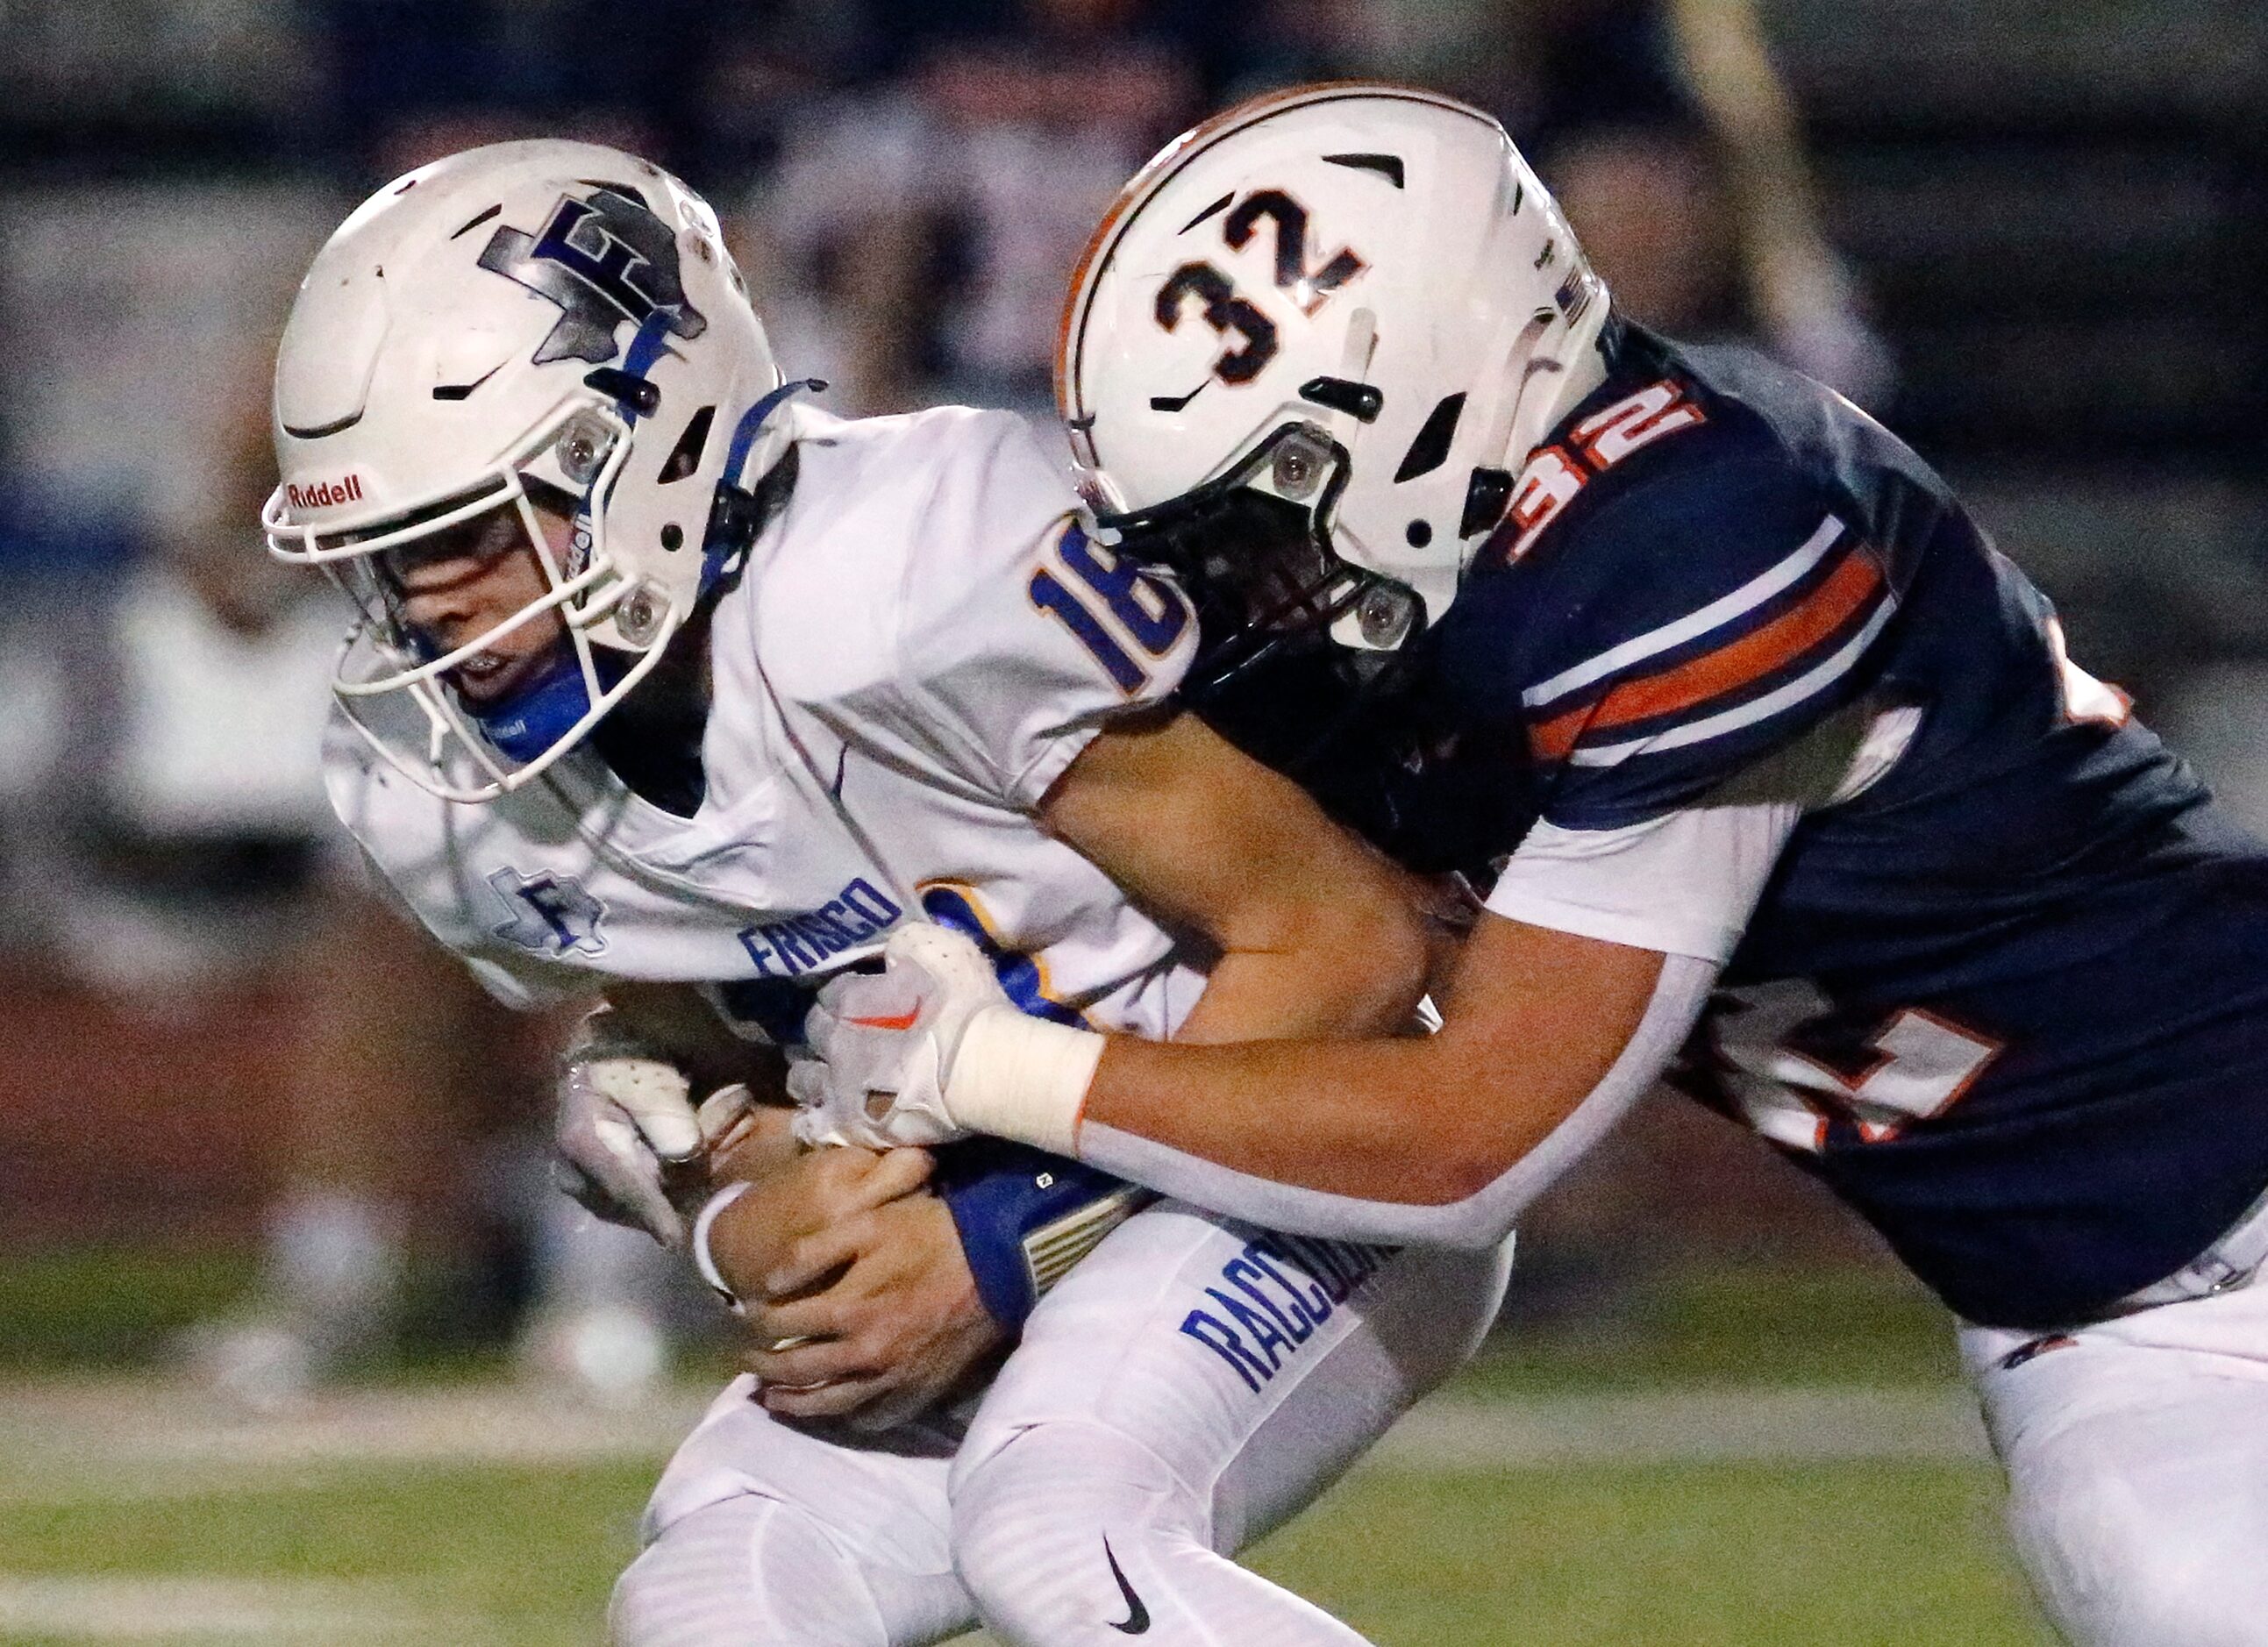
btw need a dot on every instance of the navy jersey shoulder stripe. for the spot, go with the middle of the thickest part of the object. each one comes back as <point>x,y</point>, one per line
<point>1851,614</point>
<point>1773,581</point>
<point>1778,653</point>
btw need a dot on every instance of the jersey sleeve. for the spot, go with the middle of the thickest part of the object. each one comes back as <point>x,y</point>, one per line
<point>1021,635</point>
<point>1684,884</point>
<point>1696,625</point>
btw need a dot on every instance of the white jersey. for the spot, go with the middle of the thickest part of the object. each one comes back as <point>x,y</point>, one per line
<point>923,640</point>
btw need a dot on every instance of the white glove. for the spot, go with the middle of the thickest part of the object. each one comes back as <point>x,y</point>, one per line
<point>620,1119</point>
<point>931,1049</point>
<point>888,1040</point>
<point>625,1119</point>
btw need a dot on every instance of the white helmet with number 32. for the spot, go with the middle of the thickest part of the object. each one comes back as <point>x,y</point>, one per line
<point>1339,317</point>
<point>541,320</point>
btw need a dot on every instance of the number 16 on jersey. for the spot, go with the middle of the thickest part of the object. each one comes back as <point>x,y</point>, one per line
<point>1118,612</point>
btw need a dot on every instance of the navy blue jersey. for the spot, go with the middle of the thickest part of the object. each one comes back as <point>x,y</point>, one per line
<point>2011,1001</point>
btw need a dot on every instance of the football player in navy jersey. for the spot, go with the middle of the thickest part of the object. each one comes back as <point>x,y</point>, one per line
<point>1798,800</point>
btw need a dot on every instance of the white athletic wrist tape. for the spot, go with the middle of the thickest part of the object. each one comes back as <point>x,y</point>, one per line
<point>705,1261</point>
<point>1022,1078</point>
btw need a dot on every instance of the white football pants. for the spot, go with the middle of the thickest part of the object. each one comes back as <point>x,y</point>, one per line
<point>1191,1385</point>
<point>2137,1452</point>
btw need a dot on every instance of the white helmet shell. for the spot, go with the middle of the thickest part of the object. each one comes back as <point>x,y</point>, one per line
<point>549,311</point>
<point>1375,266</point>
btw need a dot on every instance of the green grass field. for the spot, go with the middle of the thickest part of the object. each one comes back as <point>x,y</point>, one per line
<point>1741,1554</point>
<point>1658,1484</point>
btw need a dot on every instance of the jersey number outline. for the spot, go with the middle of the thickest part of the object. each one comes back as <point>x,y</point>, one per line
<point>1138,612</point>
<point>1022,974</point>
<point>1552,475</point>
<point>1920,1066</point>
<point>1660,408</point>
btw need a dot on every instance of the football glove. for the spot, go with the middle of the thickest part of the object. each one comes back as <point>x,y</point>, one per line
<point>627,1131</point>
<point>931,1048</point>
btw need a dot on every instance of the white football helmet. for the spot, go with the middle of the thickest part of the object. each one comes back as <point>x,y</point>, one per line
<point>1353,300</point>
<point>546,315</point>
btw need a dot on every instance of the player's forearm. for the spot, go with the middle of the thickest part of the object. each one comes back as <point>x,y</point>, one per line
<point>1350,1141</point>
<point>1316,934</point>
<point>1537,1017</point>
<point>1362,1118</point>
<point>1402,1143</point>
<point>1323,976</point>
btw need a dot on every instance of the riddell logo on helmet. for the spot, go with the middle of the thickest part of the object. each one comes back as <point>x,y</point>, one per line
<point>325,494</point>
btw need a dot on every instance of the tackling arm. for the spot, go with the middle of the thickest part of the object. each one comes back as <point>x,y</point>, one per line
<point>1548,1039</point>
<point>1573,996</point>
<point>1299,1125</point>
<point>1316,934</point>
<point>1560,1014</point>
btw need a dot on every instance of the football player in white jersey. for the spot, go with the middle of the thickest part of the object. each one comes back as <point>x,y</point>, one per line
<point>668,685</point>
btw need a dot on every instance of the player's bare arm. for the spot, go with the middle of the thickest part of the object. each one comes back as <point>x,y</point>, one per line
<point>1317,934</point>
<point>1535,1021</point>
<point>1548,1039</point>
<point>1320,939</point>
<point>1314,936</point>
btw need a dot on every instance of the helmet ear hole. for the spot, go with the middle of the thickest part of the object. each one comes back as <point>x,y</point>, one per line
<point>685,456</point>
<point>1486,497</point>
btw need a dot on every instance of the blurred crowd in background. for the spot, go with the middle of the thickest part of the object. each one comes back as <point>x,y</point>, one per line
<point>2031,234</point>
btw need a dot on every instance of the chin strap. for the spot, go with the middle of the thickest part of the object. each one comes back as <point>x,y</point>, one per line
<point>525,723</point>
<point>528,721</point>
<point>739,512</point>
